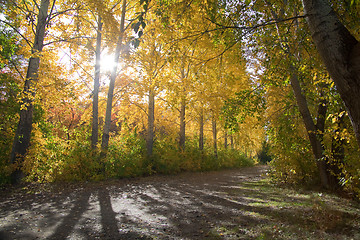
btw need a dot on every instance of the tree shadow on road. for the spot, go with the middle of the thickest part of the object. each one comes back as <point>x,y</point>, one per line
<point>234,204</point>
<point>69,222</point>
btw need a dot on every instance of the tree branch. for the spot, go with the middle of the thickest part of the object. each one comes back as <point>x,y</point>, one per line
<point>18,32</point>
<point>68,39</point>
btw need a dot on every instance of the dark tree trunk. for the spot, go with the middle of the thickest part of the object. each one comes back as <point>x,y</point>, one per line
<point>95,113</point>
<point>321,116</point>
<point>214,131</point>
<point>340,52</point>
<point>182,125</point>
<point>225,139</point>
<point>151,119</point>
<point>23,132</point>
<point>311,129</point>
<point>201,131</point>
<point>337,154</point>
<point>331,167</point>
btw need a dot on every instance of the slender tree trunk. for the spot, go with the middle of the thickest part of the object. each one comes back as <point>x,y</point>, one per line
<point>106,131</point>
<point>23,132</point>
<point>214,131</point>
<point>337,154</point>
<point>201,130</point>
<point>321,116</point>
<point>95,113</point>
<point>151,119</point>
<point>311,129</point>
<point>332,165</point>
<point>340,52</point>
<point>232,141</point>
<point>225,139</point>
<point>337,146</point>
<point>182,124</point>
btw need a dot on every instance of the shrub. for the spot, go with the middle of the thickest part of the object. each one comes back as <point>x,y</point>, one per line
<point>127,157</point>
<point>51,158</point>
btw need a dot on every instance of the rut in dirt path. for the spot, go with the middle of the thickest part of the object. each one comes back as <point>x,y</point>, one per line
<point>215,205</point>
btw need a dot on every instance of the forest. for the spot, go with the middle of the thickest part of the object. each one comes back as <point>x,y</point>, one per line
<point>107,89</point>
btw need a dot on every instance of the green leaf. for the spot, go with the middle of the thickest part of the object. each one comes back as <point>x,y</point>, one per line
<point>136,43</point>
<point>136,26</point>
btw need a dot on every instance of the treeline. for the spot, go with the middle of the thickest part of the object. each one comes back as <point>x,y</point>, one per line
<point>155,107</point>
<point>193,85</point>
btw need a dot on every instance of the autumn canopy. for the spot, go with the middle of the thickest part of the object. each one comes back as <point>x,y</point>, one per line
<point>93,89</point>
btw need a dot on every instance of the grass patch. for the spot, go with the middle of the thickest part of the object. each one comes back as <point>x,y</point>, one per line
<point>275,212</point>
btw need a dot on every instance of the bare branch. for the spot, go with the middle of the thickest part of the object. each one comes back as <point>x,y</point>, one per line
<point>51,11</point>
<point>137,105</point>
<point>18,32</point>
<point>79,65</point>
<point>67,40</point>
<point>17,70</point>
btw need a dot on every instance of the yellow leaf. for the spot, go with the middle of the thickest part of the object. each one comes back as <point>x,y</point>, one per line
<point>315,77</point>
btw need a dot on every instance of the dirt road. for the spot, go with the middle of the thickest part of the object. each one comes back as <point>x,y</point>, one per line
<point>232,204</point>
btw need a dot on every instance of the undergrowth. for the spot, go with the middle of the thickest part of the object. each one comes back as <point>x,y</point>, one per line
<point>52,159</point>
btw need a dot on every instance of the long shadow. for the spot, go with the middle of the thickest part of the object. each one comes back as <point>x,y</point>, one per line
<point>109,222</point>
<point>35,213</point>
<point>192,218</point>
<point>108,216</point>
<point>69,222</point>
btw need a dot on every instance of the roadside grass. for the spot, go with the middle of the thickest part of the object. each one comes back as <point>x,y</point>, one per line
<point>283,213</point>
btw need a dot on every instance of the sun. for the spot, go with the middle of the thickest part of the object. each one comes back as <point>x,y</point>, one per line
<point>107,62</point>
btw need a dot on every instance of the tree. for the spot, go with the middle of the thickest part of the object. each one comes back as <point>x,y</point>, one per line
<point>95,112</point>
<point>119,45</point>
<point>10,87</point>
<point>23,132</point>
<point>201,129</point>
<point>214,132</point>
<point>340,52</point>
<point>151,57</point>
<point>311,127</point>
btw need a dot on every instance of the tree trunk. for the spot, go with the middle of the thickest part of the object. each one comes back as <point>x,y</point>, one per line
<point>232,141</point>
<point>214,131</point>
<point>201,130</point>
<point>332,165</point>
<point>95,113</point>
<point>106,131</point>
<point>182,125</point>
<point>337,154</point>
<point>321,116</point>
<point>340,52</point>
<point>225,139</point>
<point>23,132</point>
<point>311,129</point>
<point>151,119</point>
